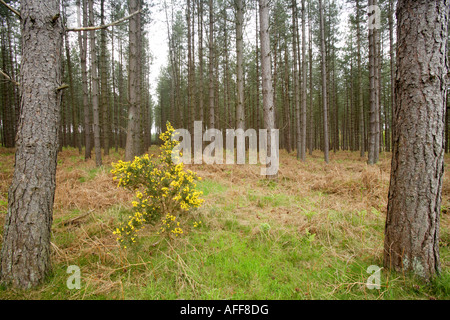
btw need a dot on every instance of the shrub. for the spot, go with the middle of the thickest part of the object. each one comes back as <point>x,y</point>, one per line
<point>163,189</point>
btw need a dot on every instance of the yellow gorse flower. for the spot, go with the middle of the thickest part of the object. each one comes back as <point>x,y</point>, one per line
<point>163,190</point>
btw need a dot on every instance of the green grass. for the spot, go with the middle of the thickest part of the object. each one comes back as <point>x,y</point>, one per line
<point>91,173</point>
<point>231,261</point>
<point>210,187</point>
<point>256,242</point>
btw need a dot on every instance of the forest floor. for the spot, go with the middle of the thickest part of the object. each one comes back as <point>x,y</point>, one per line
<point>312,234</point>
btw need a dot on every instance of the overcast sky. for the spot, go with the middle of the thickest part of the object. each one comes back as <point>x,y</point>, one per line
<point>157,31</point>
<point>157,34</point>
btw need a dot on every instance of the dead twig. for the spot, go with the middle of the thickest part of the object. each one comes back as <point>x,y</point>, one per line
<point>104,26</point>
<point>76,219</point>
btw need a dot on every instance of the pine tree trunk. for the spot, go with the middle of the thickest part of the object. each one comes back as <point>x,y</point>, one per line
<point>75,140</point>
<point>374,139</point>
<point>8,104</point>
<point>200,58</point>
<point>25,259</point>
<point>311,107</point>
<point>266,73</point>
<point>326,147</point>
<point>104,83</point>
<point>412,223</point>
<point>287,103</point>
<point>303,85</point>
<point>115,107</point>
<point>191,75</point>
<point>240,115</point>
<point>258,82</point>
<point>134,87</point>
<point>211,66</point>
<point>298,128</point>
<point>362,145</point>
<point>82,40</point>
<point>392,56</point>
<point>95,88</point>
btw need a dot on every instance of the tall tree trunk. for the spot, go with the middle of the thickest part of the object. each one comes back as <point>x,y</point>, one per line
<point>211,65</point>
<point>374,140</point>
<point>122,94</point>
<point>25,259</point>
<point>200,58</point>
<point>75,140</point>
<point>392,56</point>
<point>115,107</point>
<point>95,88</point>
<point>14,91</point>
<point>362,145</point>
<point>311,107</point>
<point>104,82</point>
<point>82,40</point>
<point>303,85</point>
<point>191,75</point>
<point>286,102</point>
<point>326,147</point>
<point>258,82</point>
<point>240,113</point>
<point>134,86</point>
<point>296,80</point>
<point>8,104</point>
<point>412,223</point>
<point>266,72</point>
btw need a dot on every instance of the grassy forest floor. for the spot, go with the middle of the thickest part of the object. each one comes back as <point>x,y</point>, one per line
<point>310,235</point>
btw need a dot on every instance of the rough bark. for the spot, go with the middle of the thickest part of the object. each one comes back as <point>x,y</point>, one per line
<point>25,259</point>
<point>412,223</point>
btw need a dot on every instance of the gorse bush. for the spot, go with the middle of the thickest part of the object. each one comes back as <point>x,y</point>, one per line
<point>163,189</point>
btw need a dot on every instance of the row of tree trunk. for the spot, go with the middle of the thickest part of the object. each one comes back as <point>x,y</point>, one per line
<point>412,224</point>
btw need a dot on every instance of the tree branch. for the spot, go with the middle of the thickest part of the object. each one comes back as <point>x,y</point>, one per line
<point>104,26</point>
<point>62,87</point>
<point>8,77</point>
<point>11,8</point>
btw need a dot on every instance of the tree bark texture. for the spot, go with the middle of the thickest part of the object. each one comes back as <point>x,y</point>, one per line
<point>25,259</point>
<point>412,223</point>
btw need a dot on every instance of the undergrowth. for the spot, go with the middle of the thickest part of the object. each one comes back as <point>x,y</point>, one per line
<point>312,234</point>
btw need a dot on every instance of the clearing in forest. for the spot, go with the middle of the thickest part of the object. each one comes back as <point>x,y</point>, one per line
<point>311,234</point>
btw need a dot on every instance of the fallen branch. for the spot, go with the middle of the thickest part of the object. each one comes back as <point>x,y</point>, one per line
<point>74,220</point>
<point>104,26</point>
